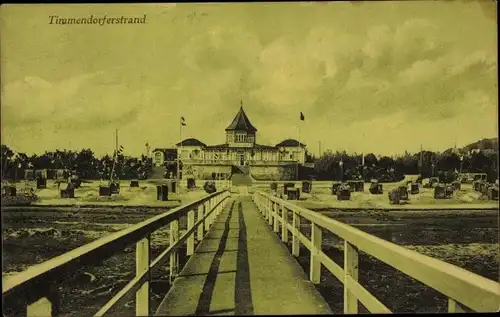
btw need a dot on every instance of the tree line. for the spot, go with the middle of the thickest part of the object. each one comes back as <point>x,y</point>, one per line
<point>327,167</point>
<point>86,164</point>
<point>337,165</point>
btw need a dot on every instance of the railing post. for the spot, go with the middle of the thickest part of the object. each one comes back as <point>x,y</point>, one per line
<point>190,239</point>
<point>200,229</point>
<point>350,270</point>
<point>174,257</point>
<point>269,211</point>
<point>214,210</point>
<point>284,224</point>
<point>141,266</point>
<point>454,307</point>
<point>295,234</point>
<point>316,238</point>
<point>219,208</point>
<point>263,206</point>
<point>275,217</point>
<point>209,211</point>
<point>206,209</point>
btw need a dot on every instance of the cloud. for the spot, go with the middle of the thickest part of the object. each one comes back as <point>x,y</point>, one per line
<point>421,71</point>
<point>75,102</point>
<point>70,107</point>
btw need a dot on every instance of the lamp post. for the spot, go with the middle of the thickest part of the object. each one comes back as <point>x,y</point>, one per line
<point>461,162</point>
<point>432,170</point>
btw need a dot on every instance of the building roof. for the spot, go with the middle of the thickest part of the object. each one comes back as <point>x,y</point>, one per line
<point>262,146</point>
<point>241,122</point>
<point>226,146</point>
<point>290,142</point>
<point>159,149</point>
<point>166,151</point>
<point>218,146</point>
<point>191,142</point>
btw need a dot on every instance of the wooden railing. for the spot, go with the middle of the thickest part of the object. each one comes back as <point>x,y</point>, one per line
<point>35,291</point>
<point>463,288</point>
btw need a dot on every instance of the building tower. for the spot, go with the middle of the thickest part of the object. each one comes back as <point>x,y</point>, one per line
<point>241,133</point>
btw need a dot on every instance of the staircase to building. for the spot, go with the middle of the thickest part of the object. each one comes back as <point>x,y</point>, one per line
<point>241,176</point>
<point>157,173</point>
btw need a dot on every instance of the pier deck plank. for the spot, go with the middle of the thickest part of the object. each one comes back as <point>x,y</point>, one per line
<point>242,268</point>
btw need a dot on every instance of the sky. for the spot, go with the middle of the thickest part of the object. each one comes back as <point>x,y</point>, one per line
<point>381,77</point>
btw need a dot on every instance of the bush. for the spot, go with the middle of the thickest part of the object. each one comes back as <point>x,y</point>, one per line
<point>209,187</point>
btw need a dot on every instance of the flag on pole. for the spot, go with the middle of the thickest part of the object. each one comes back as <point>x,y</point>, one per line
<point>302,116</point>
<point>183,122</point>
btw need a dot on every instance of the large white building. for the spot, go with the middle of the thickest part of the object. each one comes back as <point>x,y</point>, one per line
<point>240,152</point>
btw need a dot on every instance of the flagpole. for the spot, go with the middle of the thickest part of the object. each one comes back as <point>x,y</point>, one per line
<point>179,152</point>
<point>180,130</point>
<point>116,156</point>
<point>298,154</point>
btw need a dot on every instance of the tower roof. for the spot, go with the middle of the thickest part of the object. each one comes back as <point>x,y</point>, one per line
<point>241,122</point>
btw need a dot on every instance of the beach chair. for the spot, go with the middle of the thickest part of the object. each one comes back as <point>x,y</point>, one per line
<point>293,194</point>
<point>414,188</point>
<point>376,188</point>
<point>306,186</point>
<point>344,192</point>
<point>403,192</point>
<point>493,193</point>
<point>162,192</point>
<point>335,187</point>
<point>274,186</point>
<point>394,196</point>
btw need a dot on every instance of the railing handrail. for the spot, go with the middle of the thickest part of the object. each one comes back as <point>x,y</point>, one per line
<point>55,269</point>
<point>459,285</point>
